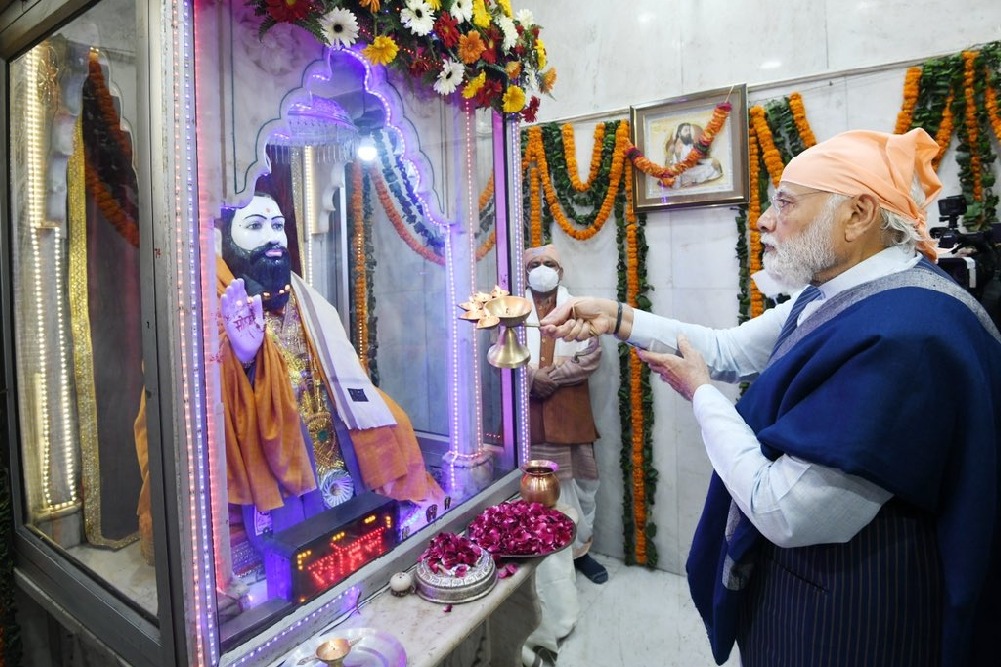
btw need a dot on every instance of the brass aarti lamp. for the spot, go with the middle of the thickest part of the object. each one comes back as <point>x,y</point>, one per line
<point>512,311</point>
<point>499,308</point>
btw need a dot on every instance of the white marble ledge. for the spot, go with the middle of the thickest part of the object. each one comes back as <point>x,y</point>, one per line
<point>427,632</point>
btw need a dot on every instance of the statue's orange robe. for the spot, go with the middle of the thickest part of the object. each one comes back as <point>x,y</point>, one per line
<point>266,456</point>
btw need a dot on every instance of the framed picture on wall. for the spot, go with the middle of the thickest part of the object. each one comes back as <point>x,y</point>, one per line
<point>671,135</point>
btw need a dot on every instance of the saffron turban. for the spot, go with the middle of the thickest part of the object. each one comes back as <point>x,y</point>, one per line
<point>540,252</point>
<point>878,164</point>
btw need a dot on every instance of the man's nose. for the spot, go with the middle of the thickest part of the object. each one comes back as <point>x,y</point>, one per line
<point>766,221</point>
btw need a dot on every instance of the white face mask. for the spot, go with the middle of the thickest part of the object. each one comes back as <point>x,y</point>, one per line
<point>543,279</point>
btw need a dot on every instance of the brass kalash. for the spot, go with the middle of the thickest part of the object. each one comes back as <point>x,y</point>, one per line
<point>499,308</point>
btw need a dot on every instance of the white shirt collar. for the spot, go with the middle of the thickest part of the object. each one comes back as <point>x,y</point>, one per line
<point>887,261</point>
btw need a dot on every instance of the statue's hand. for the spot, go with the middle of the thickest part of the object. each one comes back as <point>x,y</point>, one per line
<point>243,318</point>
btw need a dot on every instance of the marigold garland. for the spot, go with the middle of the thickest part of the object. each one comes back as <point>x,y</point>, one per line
<point>101,192</point>
<point>757,299</point>
<point>397,220</point>
<point>769,152</point>
<point>912,81</point>
<point>799,118</point>
<point>944,134</point>
<point>667,175</point>
<point>570,149</point>
<point>956,95</point>
<point>993,116</point>
<point>969,61</point>
<point>535,153</point>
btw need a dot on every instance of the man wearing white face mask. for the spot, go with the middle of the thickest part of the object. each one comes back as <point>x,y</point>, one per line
<point>562,430</point>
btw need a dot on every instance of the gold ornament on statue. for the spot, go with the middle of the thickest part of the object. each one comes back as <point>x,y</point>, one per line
<point>499,307</point>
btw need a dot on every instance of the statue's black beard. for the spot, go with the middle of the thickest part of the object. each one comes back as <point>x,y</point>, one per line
<point>261,274</point>
<point>687,140</point>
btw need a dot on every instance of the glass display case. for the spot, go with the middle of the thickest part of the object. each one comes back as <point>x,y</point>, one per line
<point>238,388</point>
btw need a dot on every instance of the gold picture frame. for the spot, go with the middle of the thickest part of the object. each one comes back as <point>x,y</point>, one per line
<point>666,130</point>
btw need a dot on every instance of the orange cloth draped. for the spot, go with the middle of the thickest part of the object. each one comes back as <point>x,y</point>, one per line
<point>266,456</point>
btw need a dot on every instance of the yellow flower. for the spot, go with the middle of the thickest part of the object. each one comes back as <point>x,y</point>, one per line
<point>381,51</point>
<point>481,16</point>
<point>434,4</point>
<point>513,69</point>
<point>474,86</point>
<point>371,5</point>
<point>548,80</point>
<point>514,99</point>
<point>540,51</point>
<point>505,6</point>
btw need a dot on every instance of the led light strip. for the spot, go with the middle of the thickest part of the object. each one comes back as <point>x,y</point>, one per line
<point>517,244</point>
<point>342,604</point>
<point>68,459</point>
<point>187,239</point>
<point>309,210</point>
<point>473,216</point>
<point>36,217</point>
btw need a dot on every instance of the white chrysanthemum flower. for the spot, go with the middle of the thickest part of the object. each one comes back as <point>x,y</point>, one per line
<point>340,27</point>
<point>418,16</point>
<point>449,78</point>
<point>525,17</point>
<point>462,10</point>
<point>510,31</point>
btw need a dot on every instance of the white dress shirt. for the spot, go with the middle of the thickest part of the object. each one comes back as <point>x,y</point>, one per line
<point>790,501</point>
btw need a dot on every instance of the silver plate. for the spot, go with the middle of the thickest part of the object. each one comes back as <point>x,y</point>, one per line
<point>374,648</point>
<point>447,589</point>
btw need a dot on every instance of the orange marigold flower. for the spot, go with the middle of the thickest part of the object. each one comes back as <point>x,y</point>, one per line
<point>548,80</point>
<point>371,5</point>
<point>471,47</point>
<point>513,69</point>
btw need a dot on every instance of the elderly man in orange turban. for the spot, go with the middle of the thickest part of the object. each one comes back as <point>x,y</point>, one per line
<point>854,513</point>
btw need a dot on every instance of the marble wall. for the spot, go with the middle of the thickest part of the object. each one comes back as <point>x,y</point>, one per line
<point>846,59</point>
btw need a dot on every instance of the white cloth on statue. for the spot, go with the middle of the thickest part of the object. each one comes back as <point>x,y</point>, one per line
<point>556,590</point>
<point>358,404</point>
<point>564,349</point>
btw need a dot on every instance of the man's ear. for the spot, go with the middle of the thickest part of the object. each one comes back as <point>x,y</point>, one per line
<point>863,217</point>
<point>218,242</point>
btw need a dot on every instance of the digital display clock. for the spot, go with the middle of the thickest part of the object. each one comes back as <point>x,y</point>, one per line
<point>317,554</point>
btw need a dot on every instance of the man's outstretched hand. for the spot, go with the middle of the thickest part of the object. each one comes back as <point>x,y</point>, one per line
<point>580,318</point>
<point>243,318</point>
<point>685,372</point>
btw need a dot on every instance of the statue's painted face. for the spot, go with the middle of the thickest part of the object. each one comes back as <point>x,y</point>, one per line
<point>256,249</point>
<point>259,223</point>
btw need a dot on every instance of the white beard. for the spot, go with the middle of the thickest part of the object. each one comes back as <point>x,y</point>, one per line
<point>796,261</point>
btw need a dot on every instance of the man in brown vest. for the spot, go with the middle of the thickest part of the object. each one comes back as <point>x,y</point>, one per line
<point>563,431</point>
<point>562,426</point>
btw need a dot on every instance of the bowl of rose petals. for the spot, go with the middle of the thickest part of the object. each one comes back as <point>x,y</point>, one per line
<point>522,529</point>
<point>454,569</point>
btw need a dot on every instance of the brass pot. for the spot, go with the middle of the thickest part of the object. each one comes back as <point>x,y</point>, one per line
<point>539,483</point>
